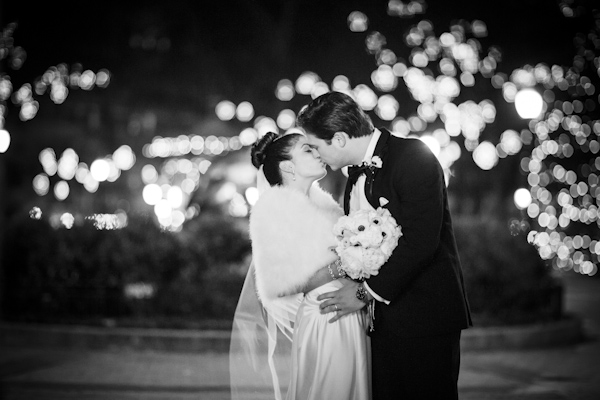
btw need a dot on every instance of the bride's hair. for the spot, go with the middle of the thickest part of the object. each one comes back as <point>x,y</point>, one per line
<point>271,150</point>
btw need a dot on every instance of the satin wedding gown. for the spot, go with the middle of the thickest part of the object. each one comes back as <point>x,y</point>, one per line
<point>329,360</point>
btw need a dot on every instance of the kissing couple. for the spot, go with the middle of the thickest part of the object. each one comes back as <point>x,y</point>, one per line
<point>303,329</point>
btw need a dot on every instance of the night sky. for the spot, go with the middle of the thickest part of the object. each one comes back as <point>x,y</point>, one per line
<point>97,34</point>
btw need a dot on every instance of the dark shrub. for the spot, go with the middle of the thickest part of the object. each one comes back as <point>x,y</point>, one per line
<point>506,280</point>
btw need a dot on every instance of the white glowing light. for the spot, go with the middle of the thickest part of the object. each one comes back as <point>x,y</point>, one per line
<point>365,97</point>
<point>529,103</point>
<point>432,143</point>
<point>124,158</point>
<point>162,209</point>
<point>522,198</point>
<point>286,119</point>
<point>306,81</point>
<point>252,195</point>
<point>285,90</point>
<point>149,174</point>
<point>358,21</point>
<point>41,184</point>
<point>485,156</point>
<point>61,190</point>
<point>4,140</point>
<point>67,165</point>
<point>100,170</point>
<point>152,194</point>
<point>67,220</point>
<point>225,110</point>
<point>175,196</point>
<point>245,111</point>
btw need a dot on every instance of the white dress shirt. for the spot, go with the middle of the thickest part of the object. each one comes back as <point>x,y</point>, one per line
<point>358,199</point>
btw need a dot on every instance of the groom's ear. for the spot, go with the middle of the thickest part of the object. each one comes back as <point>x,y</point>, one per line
<point>340,138</point>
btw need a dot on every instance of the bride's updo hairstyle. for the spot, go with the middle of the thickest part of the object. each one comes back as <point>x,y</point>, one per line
<point>271,150</point>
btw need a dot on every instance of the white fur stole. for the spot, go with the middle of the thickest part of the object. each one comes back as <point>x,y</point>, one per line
<point>291,235</point>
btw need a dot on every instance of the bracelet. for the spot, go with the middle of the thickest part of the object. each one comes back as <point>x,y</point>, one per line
<point>337,264</point>
<point>342,273</point>
<point>331,272</point>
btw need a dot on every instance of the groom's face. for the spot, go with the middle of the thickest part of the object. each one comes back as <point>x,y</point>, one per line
<point>330,153</point>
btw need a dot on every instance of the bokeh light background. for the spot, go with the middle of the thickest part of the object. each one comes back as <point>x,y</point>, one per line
<point>153,109</point>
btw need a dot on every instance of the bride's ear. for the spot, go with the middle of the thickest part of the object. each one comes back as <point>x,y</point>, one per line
<point>340,138</point>
<point>287,166</point>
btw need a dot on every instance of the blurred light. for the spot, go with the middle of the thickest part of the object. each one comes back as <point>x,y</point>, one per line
<point>47,158</point>
<point>61,190</point>
<point>41,184</point>
<point>67,165</point>
<point>529,103</point>
<point>248,136</point>
<point>384,79</point>
<point>318,89</point>
<point>152,194</point>
<point>365,97</point>
<point>522,198</point>
<point>432,143</point>
<point>103,78</point>
<point>306,81</point>
<point>113,171</point>
<point>124,158</point>
<point>340,83</point>
<point>485,156</point>
<point>479,28</point>
<point>4,140</point>
<point>226,192</point>
<point>358,21</point>
<point>375,42</point>
<point>387,107</point>
<point>139,290</point>
<point>175,196</point>
<point>245,111</point>
<point>467,79</point>
<point>285,90</point>
<point>265,124</point>
<point>100,170</point>
<point>35,213</point>
<point>225,110</point>
<point>87,80</point>
<point>162,209</point>
<point>286,119</point>
<point>67,220</point>
<point>28,110</point>
<point>149,174</point>
<point>252,195</point>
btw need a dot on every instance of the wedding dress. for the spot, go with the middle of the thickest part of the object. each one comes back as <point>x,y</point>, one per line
<point>282,346</point>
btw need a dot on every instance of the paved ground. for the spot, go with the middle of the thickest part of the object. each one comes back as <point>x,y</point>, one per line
<point>569,372</point>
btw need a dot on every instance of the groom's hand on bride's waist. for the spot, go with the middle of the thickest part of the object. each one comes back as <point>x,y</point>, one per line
<point>342,301</point>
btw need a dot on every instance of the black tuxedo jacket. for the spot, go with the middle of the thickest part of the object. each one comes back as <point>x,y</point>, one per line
<point>422,278</point>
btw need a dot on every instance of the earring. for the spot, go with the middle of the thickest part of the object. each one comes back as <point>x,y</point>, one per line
<point>294,175</point>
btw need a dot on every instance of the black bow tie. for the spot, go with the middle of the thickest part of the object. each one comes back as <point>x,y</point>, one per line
<point>354,171</point>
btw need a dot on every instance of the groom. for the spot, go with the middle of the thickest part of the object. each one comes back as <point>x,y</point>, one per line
<point>420,301</point>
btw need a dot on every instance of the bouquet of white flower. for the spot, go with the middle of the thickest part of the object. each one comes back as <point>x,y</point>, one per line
<point>366,239</point>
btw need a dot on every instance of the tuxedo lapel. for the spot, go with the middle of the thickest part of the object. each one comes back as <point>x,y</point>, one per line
<point>380,151</point>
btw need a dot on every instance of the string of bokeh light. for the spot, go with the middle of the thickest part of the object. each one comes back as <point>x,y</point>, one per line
<point>562,169</point>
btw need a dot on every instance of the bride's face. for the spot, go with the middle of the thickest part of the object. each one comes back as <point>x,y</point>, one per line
<point>307,161</point>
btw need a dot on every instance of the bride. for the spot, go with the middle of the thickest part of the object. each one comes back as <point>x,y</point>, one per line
<point>281,343</point>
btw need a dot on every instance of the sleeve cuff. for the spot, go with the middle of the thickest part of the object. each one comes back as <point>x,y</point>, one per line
<point>375,295</point>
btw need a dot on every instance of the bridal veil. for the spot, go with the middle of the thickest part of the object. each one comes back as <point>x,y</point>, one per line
<point>261,339</point>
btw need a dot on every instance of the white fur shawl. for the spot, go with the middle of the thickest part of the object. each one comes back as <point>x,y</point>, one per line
<point>291,235</point>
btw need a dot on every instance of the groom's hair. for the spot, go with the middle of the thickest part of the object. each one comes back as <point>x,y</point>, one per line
<point>334,112</point>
